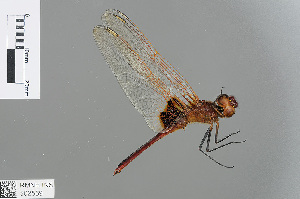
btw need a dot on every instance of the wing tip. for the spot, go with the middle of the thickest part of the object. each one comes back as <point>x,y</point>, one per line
<point>113,12</point>
<point>97,28</point>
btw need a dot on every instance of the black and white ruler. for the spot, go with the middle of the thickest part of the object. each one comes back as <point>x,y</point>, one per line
<point>20,49</point>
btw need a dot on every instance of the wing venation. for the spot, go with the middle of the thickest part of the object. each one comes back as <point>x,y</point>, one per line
<point>146,78</point>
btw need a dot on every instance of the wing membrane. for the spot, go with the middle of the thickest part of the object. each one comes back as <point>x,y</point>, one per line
<point>146,78</point>
<point>121,24</point>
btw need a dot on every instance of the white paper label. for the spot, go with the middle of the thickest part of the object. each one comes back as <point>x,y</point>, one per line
<point>20,49</point>
<point>27,188</point>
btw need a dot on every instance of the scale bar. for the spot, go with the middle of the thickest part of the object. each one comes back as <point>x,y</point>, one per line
<point>20,34</point>
<point>20,57</point>
<point>15,49</point>
<point>11,66</point>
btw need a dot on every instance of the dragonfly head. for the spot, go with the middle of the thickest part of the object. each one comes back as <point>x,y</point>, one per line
<point>227,103</point>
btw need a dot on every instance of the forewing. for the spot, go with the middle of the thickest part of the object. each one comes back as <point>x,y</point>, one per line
<point>147,80</point>
<point>177,85</point>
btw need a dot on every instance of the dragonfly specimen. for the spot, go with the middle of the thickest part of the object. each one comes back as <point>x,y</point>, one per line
<point>164,98</point>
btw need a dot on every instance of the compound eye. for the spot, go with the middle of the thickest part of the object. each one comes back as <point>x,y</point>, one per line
<point>223,100</point>
<point>233,102</point>
<point>229,111</point>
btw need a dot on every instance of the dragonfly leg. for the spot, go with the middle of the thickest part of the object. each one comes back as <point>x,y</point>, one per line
<point>218,141</point>
<point>217,131</point>
<point>208,140</point>
<point>207,135</point>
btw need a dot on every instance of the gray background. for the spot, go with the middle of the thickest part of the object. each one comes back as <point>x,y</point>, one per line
<point>84,126</point>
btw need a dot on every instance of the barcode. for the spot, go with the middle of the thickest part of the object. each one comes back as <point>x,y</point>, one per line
<point>40,188</point>
<point>8,189</point>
